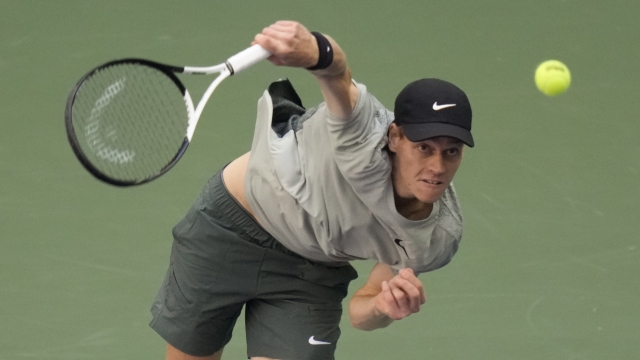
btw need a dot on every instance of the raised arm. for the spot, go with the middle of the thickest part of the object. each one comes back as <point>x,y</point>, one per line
<point>293,45</point>
<point>385,297</point>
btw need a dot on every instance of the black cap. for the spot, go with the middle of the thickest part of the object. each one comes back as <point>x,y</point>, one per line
<point>428,108</point>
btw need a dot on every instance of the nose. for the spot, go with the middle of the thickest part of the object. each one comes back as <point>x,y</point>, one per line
<point>435,164</point>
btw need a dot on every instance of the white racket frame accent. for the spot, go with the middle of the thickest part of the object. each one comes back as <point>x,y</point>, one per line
<point>235,64</point>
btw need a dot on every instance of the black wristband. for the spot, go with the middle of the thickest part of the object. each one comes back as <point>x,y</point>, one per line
<point>325,52</point>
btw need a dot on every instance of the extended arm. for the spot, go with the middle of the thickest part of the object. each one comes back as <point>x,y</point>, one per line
<point>385,298</point>
<point>293,45</point>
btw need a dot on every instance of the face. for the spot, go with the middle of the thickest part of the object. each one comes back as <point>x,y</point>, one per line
<point>423,170</point>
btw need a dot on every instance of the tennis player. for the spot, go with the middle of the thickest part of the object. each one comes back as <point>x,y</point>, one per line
<point>275,230</point>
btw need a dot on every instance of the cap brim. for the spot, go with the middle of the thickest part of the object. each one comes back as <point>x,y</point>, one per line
<point>420,132</point>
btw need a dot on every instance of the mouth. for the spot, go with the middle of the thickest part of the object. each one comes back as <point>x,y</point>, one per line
<point>432,182</point>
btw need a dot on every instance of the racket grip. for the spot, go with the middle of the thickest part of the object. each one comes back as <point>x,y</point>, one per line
<point>247,58</point>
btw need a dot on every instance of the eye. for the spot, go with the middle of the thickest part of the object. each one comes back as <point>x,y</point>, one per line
<point>453,151</point>
<point>423,148</point>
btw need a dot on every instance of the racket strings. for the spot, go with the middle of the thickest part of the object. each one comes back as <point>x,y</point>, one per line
<point>130,120</point>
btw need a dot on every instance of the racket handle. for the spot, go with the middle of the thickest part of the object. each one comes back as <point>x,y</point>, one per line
<point>247,58</point>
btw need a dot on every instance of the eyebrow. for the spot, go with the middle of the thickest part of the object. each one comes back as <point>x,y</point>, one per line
<point>451,142</point>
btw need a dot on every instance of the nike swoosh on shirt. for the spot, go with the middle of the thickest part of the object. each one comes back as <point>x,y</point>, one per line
<point>437,107</point>
<point>399,243</point>
<point>313,341</point>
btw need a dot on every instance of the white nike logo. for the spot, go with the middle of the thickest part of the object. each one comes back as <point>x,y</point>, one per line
<point>437,107</point>
<point>313,341</point>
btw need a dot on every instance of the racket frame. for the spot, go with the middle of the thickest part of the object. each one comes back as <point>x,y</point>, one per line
<point>233,65</point>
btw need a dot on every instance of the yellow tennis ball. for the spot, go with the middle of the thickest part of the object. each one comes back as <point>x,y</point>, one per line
<point>552,77</point>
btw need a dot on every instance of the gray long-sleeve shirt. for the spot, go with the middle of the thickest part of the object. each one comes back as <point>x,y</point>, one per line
<point>323,189</point>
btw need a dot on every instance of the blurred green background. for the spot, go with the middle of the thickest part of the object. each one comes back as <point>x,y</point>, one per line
<point>549,264</point>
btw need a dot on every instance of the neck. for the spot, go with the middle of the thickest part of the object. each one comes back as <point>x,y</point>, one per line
<point>412,208</point>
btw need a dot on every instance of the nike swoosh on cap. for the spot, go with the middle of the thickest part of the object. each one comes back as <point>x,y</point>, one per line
<point>313,341</point>
<point>437,107</point>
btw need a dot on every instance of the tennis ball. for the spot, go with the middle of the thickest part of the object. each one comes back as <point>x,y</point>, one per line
<point>552,77</point>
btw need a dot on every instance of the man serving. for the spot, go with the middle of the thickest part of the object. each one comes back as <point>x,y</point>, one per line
<point>275,230</point>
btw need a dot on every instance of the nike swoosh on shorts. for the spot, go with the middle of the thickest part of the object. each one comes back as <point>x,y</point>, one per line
<point>313,341</point>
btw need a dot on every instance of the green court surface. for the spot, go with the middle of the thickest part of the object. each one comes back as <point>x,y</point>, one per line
<point>550,261</point>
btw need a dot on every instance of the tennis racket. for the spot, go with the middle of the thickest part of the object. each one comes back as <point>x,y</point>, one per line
<point>129,121</point>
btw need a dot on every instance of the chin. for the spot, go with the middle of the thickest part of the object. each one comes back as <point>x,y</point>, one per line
<point>430,197</point>
<point>430,200</point>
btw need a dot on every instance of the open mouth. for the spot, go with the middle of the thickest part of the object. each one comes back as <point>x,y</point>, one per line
<point>432,182</point>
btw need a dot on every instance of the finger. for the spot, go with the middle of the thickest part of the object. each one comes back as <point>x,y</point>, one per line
<point>406,272</point>
<point>387,303</point>
<point>271,45</point>
<point>393,309</point>
<point>388,296</point>
<point>412,294</point>
<point>286,22</point>
<point>292,26</point>
<point>408,275</point>
<point>411,297</point>
<point>290,32</point>
<point>283,25</point>
<point>278,33</point>
<point>401,299</point>
<point>385,287</point>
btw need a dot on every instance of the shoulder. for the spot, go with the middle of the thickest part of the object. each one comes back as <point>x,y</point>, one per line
<point>449,213</point>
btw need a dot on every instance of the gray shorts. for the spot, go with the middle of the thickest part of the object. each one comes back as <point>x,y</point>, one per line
<point>222,260</point>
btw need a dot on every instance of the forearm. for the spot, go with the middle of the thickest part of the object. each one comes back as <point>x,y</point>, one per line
<point>364,315</point>
<point>339,92</point>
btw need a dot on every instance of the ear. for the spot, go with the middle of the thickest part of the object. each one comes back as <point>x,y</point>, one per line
<point>394,134</point>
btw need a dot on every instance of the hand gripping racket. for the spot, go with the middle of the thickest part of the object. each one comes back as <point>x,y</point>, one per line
<point>129,121</point>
